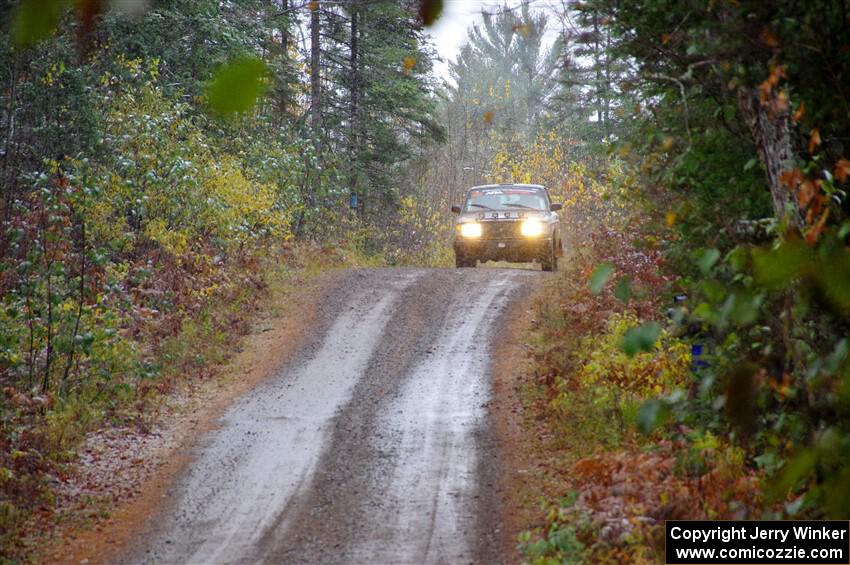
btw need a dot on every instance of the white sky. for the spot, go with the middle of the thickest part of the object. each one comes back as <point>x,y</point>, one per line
<point>449,32</point>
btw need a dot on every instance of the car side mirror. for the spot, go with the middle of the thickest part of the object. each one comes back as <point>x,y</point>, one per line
<point>555,207</point>
<point>456,209</point>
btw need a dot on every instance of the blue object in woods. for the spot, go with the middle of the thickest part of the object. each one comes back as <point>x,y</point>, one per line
<point>696,357</point>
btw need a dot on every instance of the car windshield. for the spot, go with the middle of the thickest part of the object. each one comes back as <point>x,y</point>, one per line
<point>508,198</point>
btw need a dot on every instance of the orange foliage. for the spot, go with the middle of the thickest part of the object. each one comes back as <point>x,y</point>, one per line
<point>811,199</point>
<point>814,140</point>
<point>768,38</point>
<point>630,493</point>
<point>842,170</point>
<point>777,73</point>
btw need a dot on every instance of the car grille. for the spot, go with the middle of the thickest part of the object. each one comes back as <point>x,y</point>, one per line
<point>505,229</point>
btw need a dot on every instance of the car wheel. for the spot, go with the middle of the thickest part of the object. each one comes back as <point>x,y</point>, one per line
<point>550,262</point>
<point>462,262</point>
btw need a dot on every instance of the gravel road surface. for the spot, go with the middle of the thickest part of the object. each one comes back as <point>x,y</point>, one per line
<point>371,446</point>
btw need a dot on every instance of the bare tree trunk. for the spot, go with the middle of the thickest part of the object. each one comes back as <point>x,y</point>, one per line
<point>607,84</point>
<point>45,383</point>
<point>284,96</point>
<point>354,108</point>
<point>529,102</point>
<point>80,307</point>
<point>315,94</point>
<point>315,75</point>
<point>9,150</point>
<point>772,138</point>
<point>284,28</point>
<point>597,65</point>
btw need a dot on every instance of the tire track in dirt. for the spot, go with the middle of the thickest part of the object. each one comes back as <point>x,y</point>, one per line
<point>372,446</point>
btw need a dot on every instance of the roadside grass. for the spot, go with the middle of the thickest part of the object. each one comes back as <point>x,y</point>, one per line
<point>560,431</point>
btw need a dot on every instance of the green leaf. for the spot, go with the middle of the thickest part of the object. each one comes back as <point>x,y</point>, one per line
<point>833,273</point>
<point>569,499</point>
<point>707,259</point>
<point>640,339</point>
<point>600,277</point>
<point>745,307</point>
<point>833,362</point>
<point>714,291</point>
<point>776,268</point>
<point>750,164</point>
<point>768,461</point>
<point>737,259</point>
<point>652,414</point>
<point>797,468</point>
<point>704,311</point>
<point>35,20</point>
<point>237,85</point>
<point>623,289</point>
<point>742,308</point>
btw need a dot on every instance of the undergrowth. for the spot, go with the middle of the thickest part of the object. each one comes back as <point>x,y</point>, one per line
<point>41,433</point>
<point>617,485</point>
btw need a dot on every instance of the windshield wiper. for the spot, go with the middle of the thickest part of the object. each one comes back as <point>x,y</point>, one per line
<point>482,206</point>
<point>521,206</point>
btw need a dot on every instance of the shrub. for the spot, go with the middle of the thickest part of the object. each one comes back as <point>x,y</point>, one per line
<point>609,383</point>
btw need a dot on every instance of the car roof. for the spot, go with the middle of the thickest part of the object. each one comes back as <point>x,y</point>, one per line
<point>515,184</point>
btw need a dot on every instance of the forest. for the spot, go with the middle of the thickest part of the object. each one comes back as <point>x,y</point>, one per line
<point>164,163</point>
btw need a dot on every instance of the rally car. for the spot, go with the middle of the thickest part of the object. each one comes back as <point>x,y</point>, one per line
<point>508,222</point>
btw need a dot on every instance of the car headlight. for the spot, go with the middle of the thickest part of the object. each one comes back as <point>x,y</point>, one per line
<point>471,229</point>
<point>531,228</point>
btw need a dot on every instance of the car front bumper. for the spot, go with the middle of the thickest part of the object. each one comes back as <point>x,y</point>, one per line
<point>515,250</point>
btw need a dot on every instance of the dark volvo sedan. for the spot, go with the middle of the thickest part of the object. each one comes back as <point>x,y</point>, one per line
<point>508,222</point>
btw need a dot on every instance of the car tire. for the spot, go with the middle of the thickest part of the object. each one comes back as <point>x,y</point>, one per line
<point>550,261</point>
<point>462,262</point>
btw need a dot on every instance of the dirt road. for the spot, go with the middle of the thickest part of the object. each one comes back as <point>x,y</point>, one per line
<point>371,446</point>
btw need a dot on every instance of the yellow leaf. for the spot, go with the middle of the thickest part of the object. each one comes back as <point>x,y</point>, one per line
<point>780,105</point>
<point>409,63</point>
<point>670,218</point>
